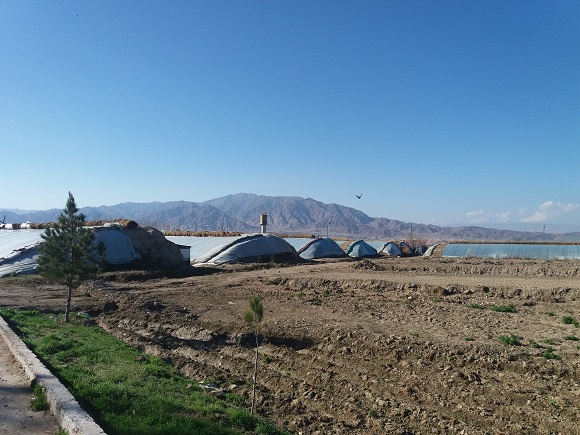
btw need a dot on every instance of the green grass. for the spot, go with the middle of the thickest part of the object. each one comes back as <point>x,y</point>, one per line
<point>571,338</point>
<point>476,306</point>
<point>549,353</point>
<point>504,308</point>
<point>39,403</point>
<point>125,391</point>
<point>533,344</point>
<point>569,320</point>
<point>552,341</point>
<point>512,340</point>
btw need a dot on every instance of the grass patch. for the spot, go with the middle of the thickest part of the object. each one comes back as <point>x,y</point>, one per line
<point>548,353</point>
<point>469,339</point>
<point>127,392</point>
<point>39,403</point>
<point>511,340</point>
<point>551,341</point>
<point>476,306</point>
<point>569,320</point>
<point>504,308</point>
<point>571,338</point>
<point>533,344</point>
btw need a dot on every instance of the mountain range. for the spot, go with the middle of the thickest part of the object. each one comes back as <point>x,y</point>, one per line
<point>286,215</point>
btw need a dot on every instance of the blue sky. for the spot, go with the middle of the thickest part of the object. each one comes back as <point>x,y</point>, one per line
<point>438,112</point>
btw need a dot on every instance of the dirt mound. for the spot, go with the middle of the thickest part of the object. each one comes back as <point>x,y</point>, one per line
<point>154,248</point>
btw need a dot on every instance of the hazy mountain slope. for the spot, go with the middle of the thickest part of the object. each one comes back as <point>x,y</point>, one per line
<point>286,214</point>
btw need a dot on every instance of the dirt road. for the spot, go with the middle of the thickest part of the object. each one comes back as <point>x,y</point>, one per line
<point>389,345</point>
<point>16,415</point>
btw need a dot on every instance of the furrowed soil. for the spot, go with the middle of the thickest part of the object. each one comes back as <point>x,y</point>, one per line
<point>385,345</point>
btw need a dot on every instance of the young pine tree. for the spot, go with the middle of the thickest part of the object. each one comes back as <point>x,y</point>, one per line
<point>67,255</point>
<point>253,317</point>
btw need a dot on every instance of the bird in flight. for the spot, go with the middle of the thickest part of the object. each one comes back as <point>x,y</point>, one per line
<point>358,196</point>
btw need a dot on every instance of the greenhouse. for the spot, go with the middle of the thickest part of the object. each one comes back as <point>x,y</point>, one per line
<point>311,249</point>
<point>390,248</point>
<point>19,249</point>
<point>360,249</point>
<point>221,250</point>
<point>522,251</point>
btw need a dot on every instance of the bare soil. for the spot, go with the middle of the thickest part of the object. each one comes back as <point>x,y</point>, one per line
<point>16,414</point>
<point>385,345</point>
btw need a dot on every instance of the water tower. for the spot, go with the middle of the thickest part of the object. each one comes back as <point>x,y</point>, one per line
<point>263,223</point>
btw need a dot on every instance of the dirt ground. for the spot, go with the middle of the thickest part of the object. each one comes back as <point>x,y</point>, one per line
<point>385,345</point>
<point>16,414</point>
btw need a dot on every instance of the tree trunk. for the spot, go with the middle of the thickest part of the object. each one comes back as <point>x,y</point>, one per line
<point>255,376</point>
<point>68,299</point>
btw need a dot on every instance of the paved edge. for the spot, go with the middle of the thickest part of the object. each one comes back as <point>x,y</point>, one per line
<point>63,405</point>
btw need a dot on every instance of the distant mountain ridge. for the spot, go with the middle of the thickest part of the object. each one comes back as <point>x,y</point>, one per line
<point>286,214</point>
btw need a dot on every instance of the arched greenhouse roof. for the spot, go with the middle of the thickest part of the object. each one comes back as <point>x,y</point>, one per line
<point>360,249</point>
<point>221,250</point>
<point>390,248</point>
<point>19,248</point>
<point>505,250</point>
<point>201,248</point>
<point>320,248</point>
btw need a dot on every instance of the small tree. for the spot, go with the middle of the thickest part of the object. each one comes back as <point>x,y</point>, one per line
<point>68,255</point>
<point>253,317</point>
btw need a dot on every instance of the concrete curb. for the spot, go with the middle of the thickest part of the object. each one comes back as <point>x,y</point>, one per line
<point>63,405</point>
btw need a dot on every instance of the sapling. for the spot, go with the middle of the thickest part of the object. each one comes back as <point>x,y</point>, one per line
<point>253,317</point>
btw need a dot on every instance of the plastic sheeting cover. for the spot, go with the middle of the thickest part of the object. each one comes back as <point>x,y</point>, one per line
<point>19,248</point>
<point>525,251</point>
<point>203,248</point>
<point>11,240</point>
<point>20,262</point>
<point>390,248</point>
<point>430,250</point>
<point>321,248</point>
<point>120,249</point>
<point>253,246</point>
<point>360,249</point>
<point>377,244</point>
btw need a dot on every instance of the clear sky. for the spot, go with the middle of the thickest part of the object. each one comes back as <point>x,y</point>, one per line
<point>437,112</point>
